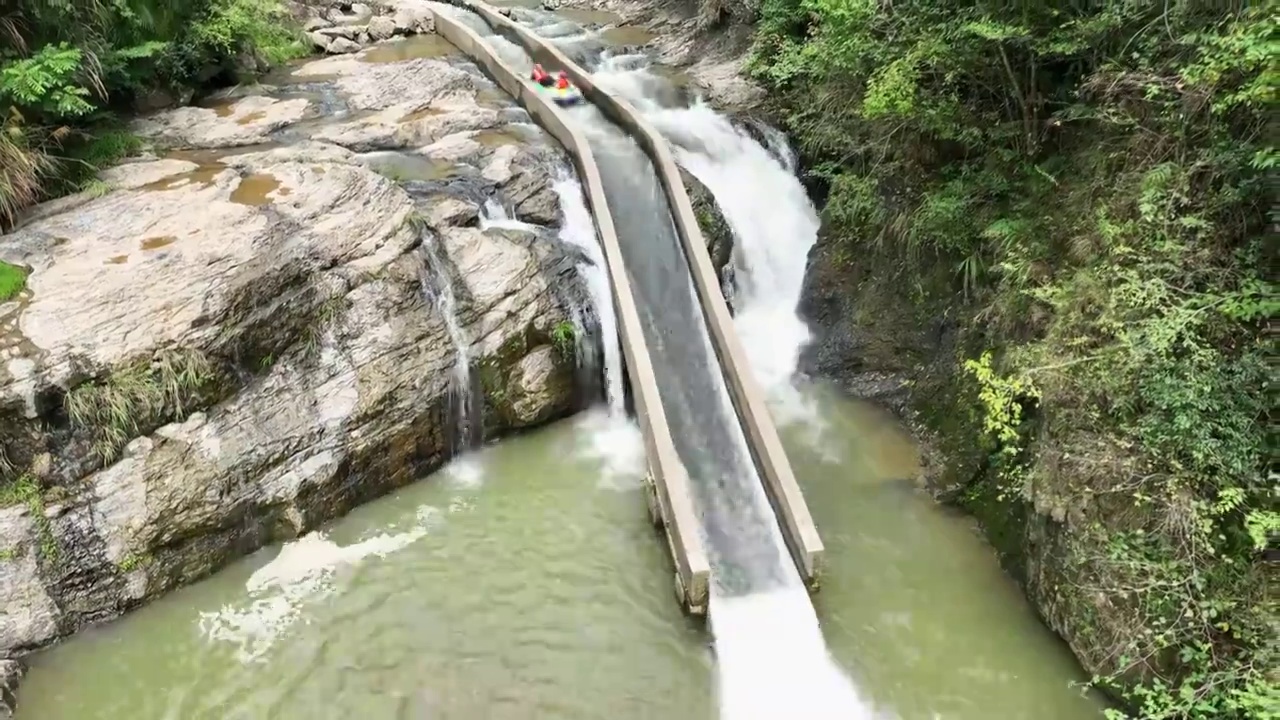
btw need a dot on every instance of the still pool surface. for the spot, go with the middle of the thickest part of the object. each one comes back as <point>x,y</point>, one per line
<point>526,582</point>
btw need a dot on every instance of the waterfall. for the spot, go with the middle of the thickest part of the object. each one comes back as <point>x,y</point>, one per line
<point>772,661</point>
<point>579,230</point>
<point>464,406</point>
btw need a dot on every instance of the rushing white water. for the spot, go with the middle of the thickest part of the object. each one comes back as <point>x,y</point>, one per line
<point>772,660</point>
<point>774,226</point>
<point>493,214</point>
<point>579,230</point>
<point>614,439</point>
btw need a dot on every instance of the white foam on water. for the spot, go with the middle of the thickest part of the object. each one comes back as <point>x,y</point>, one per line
<point>302,572</point>
<point>772,663</point>
<point>615,442</point>
<point>465,472</point>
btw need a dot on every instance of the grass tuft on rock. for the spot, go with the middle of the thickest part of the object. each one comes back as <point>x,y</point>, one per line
<point>564,337</point>
<point>141,396</point>
<point>26,491</point>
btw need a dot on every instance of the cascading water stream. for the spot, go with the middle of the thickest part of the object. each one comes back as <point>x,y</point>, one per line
<point>578,230</point>
<point>465,407</point>
<point>772,659</point>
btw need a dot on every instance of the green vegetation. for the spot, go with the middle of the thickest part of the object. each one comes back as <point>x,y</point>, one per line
<point>142,396</point>
<point>26,491</point>
<point>66,68</point>
<point>327,315</point>
<point>564,337</point>
<point>12,280</point>
<point>18,491</point>
<point>133,561</point>
<point>1084,186</point>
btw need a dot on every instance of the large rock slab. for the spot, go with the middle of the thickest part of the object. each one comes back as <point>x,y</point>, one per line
<point>303,270</point>
<point>247,121</point>
<point>405,104</point>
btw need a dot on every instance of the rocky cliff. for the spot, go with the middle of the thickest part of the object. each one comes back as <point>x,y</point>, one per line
<point>238,337</point>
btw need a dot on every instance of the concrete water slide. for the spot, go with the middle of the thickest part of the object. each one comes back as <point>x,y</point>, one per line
<point>670,498</point>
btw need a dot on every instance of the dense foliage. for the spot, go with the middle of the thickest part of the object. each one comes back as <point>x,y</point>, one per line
<point>1087,183</point>
<point>67,65</point>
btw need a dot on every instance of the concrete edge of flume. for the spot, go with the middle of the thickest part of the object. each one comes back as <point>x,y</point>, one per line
<point>670,499</point>
<point>795,520</point>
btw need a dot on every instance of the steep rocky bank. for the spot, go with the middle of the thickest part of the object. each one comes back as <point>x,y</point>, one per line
<point>1048,334</point>
<point>902,345</point>
<point>232,339</point>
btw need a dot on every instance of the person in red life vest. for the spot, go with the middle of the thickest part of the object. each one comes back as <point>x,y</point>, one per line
<point>542,77</point>
<point>562,81</point>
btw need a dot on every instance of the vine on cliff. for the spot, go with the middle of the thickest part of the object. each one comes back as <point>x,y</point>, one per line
<point>1090,181</point>
<point>1003,400</point>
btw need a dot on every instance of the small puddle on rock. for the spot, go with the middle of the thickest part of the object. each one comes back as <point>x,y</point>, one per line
<point>215,156</point>
<point>584,16</point>
<point>223,108</point>
<point>495,138</point>
<point>202,175</point>
<point>405,167</point>
<point>155,243</point>
<point>209,162</point>
<point>288,75</point>
<point>254,189</point>
<point>412,48</point>
<point>627,35</point>
<point>226,107</point>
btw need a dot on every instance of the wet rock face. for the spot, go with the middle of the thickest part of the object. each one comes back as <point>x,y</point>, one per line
<point>11,672</point>
<point>232,344</point>
<point>867,334</point>
<point>715,230</point>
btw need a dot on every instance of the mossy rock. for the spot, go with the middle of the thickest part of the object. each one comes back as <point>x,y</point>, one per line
<point>13,280</point>
<point>502,378</point>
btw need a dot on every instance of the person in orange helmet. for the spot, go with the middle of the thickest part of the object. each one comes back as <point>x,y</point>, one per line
<point>562,81</point>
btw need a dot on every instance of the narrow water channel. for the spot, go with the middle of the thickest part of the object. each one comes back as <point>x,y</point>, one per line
<point>527,583</point>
